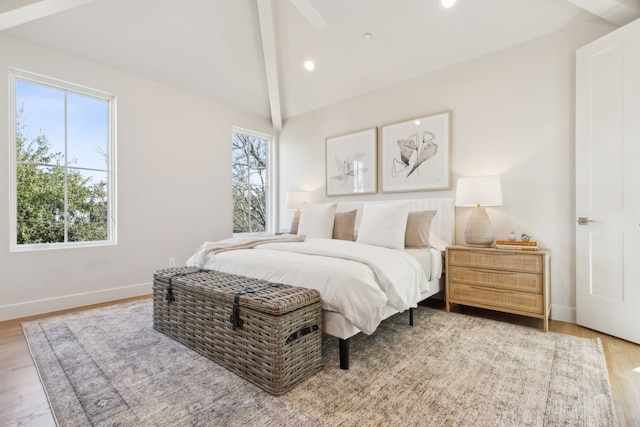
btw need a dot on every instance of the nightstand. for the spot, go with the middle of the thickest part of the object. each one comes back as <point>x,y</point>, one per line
<point>511,281</point>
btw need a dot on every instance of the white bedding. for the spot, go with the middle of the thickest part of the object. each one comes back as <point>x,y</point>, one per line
<point>430,259</point>
<point>354,279</point>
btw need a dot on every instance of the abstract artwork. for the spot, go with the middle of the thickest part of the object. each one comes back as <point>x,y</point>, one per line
<point>416,154</point>
<point>351,162</point>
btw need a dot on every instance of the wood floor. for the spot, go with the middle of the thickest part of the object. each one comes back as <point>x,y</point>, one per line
<point>23,401</point>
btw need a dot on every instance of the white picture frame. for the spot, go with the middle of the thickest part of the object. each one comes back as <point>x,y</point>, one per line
<point>416,154</point>
<point>351,163</point>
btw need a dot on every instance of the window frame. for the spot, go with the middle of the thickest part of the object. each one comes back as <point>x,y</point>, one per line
<point>16,74</point>
<point>271,179</point>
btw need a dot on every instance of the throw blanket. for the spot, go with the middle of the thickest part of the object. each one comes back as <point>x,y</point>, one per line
<point>199,259</point>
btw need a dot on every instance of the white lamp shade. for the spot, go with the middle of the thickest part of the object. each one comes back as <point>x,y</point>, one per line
<point>295,199</point>
<point>479,191</point>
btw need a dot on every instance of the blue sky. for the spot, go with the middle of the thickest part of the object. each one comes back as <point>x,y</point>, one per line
<point>86,125</point>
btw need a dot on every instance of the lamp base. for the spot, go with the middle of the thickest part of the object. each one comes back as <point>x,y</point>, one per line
<point>479,231</point>
<point>294,222</point>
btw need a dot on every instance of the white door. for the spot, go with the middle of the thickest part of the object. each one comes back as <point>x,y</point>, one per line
<point>608,184</point>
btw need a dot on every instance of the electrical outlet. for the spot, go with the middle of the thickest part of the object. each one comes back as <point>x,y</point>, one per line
<point>172,262</point>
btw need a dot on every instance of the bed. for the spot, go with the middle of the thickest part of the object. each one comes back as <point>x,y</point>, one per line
<point>369,260</point>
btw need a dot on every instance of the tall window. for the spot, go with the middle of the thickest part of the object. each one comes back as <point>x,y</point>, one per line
<point>62,159</point>
<point>252,187</point>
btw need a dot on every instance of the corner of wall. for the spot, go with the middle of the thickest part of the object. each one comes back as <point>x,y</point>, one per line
<point>563,313</point>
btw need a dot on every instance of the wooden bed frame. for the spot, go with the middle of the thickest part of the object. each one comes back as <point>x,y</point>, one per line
<point>443,225</point>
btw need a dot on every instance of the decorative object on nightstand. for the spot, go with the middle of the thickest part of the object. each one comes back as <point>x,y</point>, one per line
<point>528,245</point>
<point>479,191</point>
<point>512,236</point>
<point>515,282</point>
<point>294,201</point>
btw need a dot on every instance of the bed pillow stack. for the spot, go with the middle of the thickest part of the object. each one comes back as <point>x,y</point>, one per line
<point>386,224</point>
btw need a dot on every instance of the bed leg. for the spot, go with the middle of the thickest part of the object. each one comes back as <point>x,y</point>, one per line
<point>344,353</point>
<point>410,316</point>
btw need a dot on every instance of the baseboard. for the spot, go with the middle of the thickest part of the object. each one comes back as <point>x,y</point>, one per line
<point>32,308</point>
<point>48,305</point>
<point>563,313</point>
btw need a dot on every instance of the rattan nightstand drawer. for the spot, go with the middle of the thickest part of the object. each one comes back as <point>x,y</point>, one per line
<point>513,261</point>
<point>526,282</point>
<point>510,300</point>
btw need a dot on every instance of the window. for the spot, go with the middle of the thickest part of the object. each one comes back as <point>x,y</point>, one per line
<point>62,163</point>
<point>252,179</point>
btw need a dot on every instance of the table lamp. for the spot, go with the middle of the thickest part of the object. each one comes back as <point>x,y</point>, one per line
<point>294,201</point>
<point>479,191</point>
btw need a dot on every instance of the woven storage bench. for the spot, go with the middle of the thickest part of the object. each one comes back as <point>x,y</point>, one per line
<point>271,336</point>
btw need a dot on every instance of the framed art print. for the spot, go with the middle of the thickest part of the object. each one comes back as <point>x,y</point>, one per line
<point>416,154</point>
<point>351,162</point>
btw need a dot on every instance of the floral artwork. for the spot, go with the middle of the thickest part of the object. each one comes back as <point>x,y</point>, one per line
<point>413,152</point>
<point>351,163</point>
<point>351,168</point>
<point>416,154</point>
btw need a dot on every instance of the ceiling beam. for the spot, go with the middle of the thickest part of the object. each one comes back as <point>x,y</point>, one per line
<point>618,12</point>
<point>35,10</point>
<point>313,16</point>
<point>268,36</point>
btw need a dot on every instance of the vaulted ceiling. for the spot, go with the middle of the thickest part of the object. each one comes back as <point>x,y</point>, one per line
<point>250,53</point>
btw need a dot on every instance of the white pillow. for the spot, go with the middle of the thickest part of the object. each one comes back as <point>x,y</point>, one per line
<point>317,220</point>
<point>384,224</point>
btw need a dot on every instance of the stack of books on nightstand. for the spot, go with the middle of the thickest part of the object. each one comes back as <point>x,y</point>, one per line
<point>517,245</point>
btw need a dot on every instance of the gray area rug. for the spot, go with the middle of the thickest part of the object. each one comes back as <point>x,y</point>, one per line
<point>108,366</point>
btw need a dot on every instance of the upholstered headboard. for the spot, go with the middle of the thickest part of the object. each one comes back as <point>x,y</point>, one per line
<point>443,224</point>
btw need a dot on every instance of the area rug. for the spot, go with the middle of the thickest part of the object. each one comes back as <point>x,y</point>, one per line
<point>108,366</point>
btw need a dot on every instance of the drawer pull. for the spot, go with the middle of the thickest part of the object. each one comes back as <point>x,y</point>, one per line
<point>505,291</point>
<point>496,254</point>
<point>504,273</point>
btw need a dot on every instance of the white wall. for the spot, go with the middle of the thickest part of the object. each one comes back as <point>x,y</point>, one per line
<point>512,116</point>
<point>174,192</point>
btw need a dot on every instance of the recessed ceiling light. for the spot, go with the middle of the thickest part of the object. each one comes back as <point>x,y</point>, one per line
<point>367,36</point>
<point>416,122</point>
<point>447,3</point>
<point>309,65</point>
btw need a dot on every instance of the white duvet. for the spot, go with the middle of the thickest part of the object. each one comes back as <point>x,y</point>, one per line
<point>354,279</point>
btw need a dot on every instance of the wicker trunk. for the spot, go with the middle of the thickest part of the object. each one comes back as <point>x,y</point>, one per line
<point>268,334</point>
